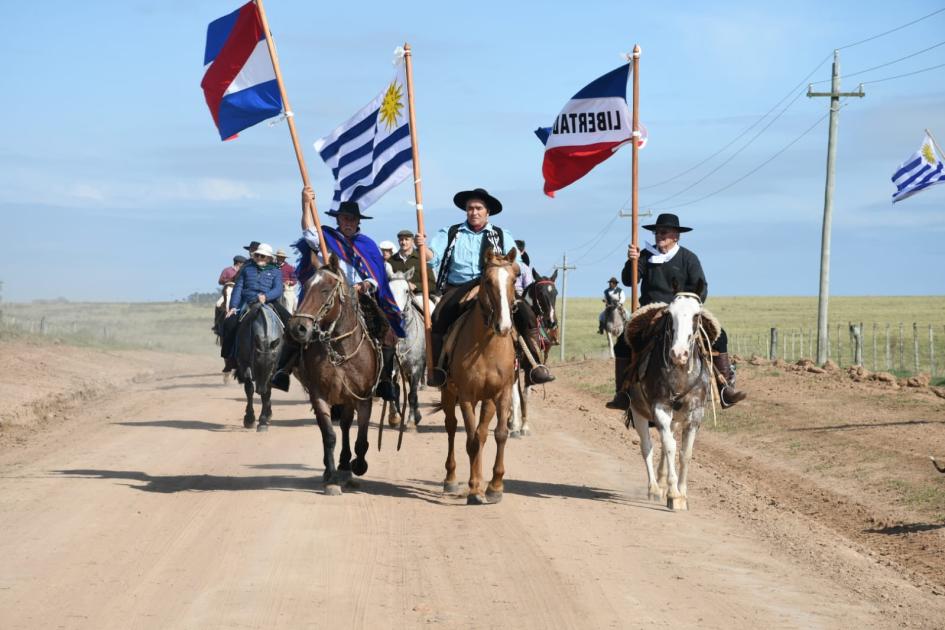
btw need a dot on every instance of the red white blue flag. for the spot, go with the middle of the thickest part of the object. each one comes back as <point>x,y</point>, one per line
<point>591,127</point>
<point>240,81</point>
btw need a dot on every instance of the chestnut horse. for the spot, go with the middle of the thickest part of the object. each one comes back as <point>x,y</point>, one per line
<point>480,351</point>
<point>340,366</point>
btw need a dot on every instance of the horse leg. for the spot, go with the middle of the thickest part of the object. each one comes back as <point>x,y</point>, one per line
<point>266,414</point>
<point>249,417</point>
<point>641,423</point>
<point>526,428</point>
<point>412,399</point>
<point>344,459</point>
<point>664,418</point>
<point>449,408</point>
<point>515,421</point>
<point>501,433</point>
<point>323,415</point>
<point>474,444</point>
<point>689,440</point>
<point>359,466</point>
<point>610,344</point>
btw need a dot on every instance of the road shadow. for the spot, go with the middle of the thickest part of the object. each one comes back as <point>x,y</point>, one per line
<point>905,528</point>
<point>282,467</point>
<point>191,386</point>
<point>193,425</point>
<point>874,425</point>
<point>547,490</point>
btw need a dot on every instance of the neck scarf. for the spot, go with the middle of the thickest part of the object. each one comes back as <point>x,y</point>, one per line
<point>658,257</point>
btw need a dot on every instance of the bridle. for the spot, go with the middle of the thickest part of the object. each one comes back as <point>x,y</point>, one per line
<point>535,302</point>
<point>488,307</point>
<point>326,336</point>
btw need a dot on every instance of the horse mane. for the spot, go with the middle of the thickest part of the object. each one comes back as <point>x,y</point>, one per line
<point>645,322</point>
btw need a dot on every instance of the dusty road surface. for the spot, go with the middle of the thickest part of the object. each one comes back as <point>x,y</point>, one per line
<point>151,507</point>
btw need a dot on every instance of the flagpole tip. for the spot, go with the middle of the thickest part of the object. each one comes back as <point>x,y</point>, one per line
<point>406,47</point>
<point>637,50</point>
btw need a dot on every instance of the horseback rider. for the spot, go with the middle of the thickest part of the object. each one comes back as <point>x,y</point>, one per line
<point>356,254</point>
<point>229,274</point>
<point>407,257</point>
<point>459,253</point>
<point>526,275</point>
<point>613,295</point>
<point>665,268</point>
<point>288,271</point>
<point>259,282</point>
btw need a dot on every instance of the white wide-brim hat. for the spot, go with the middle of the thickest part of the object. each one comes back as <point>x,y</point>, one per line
<point>264,249</point>
<point>387,245</point>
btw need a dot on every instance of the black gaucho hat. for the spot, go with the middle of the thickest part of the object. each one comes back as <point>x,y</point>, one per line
<point>492,204</point>
<point>350,208</point>
<point>252,246</point>
<point>667,220</point>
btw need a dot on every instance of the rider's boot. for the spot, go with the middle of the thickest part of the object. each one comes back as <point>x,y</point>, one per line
<point>728,395</point>
<point>288,357</point>
<point>437,376</point>
<point>229,364</point>
<point>539,373</point>
<point>385,386</point>
<point>621,398</point>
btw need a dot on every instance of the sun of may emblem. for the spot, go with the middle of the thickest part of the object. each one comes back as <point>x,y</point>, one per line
<point>928,153</point>
<point>392,105</point>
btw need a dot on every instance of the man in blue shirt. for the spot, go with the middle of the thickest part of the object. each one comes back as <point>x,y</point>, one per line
<point>458,253</point>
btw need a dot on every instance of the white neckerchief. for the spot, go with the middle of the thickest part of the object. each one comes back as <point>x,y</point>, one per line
<point>658,258</point>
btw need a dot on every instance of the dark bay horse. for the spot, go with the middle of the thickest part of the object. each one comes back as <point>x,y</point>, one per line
<point>481,368</point>
<point>671,367</point>
<point>259,340</point>
<point>340,366</point>
<point>540,298</point>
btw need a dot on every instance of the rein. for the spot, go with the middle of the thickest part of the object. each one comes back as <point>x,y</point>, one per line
<point>326,336</point>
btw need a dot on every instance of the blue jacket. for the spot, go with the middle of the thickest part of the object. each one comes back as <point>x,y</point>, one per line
<point>252,281</point>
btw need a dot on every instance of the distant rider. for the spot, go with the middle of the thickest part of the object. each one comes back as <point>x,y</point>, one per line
<point>260,282</point>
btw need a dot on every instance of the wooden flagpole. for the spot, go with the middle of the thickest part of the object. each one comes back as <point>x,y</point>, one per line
<point>418,194</point>
<point>635,168</point>
<point>290,119</point>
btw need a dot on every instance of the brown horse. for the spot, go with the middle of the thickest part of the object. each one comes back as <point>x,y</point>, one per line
<point>481,368</point>
<point>340,366</point>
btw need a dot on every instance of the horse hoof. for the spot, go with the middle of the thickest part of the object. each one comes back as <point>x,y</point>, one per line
<point>475,499</point>
<point>359,467</point>
<point>526,431</point>
<point>450,488</point>
<point>493,497</point>
<point>393,422</point>
<point>515,434</point>
<point>249,421</point>
<point>333,490</point>
<point>417,417</point>
<point>677,504</point>
<point>342,477</point>
<point>263,427</point>
<point>655,496</point>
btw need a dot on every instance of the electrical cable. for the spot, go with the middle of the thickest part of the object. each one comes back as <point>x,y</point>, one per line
<point>907,74</point>
<point>898,28</point>
<point>883,65</point>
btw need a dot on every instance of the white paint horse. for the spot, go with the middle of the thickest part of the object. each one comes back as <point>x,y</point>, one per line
<point>614,319</point>
<point>411,350</point>
<point>671,368</point>
<point>290,297</point>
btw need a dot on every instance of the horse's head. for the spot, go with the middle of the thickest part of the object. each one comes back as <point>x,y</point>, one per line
<point>399,283</point>
<point>685,313</point>
<point>325,293</point>
<point>541,295</point>
<point>497,290</point>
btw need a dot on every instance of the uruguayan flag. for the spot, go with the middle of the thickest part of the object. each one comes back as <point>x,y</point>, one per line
<point>371,152</point>
<point>923,169</point>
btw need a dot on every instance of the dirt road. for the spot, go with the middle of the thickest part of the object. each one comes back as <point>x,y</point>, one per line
<point>152,507</point>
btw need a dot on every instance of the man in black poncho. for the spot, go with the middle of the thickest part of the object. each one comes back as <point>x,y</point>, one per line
<point>663,269</point>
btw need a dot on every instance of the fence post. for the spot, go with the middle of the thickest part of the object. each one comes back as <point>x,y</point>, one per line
<point>931,353</point>
<point>874,346</point>
<point>857,331</point>
<point>888,350</point>
<point>915,346</point>
<point>42,325</point>
<point>773,345</point>
<point>901,364</point>
<point>839,346</point>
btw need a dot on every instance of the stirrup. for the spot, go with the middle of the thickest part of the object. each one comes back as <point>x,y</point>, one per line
<point>437,378</point>
<point>544,375</point>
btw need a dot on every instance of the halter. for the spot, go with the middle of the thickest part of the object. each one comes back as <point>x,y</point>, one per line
<point>324,335</point>
<point>489,315</point>
<point>535,303</point>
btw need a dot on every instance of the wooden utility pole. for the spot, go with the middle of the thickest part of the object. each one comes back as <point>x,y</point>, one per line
<point>634,177</point>
<point>290,120</point>
<point>418,194</point>
<point>564,267</point>
<point>834,94</point>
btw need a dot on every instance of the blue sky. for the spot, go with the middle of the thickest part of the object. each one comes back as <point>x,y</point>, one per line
<point>115,186</point>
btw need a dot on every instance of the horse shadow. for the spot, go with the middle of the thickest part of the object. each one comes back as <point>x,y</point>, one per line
<point>195,425</point>
<point>905,528</point>
<point>867,425</point>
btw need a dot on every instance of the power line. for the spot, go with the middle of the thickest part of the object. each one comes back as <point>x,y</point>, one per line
<point>596,238</point>
<point>743,133</point>
<point>888,63</point>
<point>731,157</point>
<point>898,28</point>
<point>757,168</point>
<point>907,74</point>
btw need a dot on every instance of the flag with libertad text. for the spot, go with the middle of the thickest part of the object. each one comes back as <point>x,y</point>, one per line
<point>588,130</point>
<point>922,169</point>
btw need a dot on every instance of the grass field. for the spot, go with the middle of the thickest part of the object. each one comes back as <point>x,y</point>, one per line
<point>748,320</point>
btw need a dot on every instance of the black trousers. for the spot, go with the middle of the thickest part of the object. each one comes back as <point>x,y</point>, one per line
<point>232,323</point>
